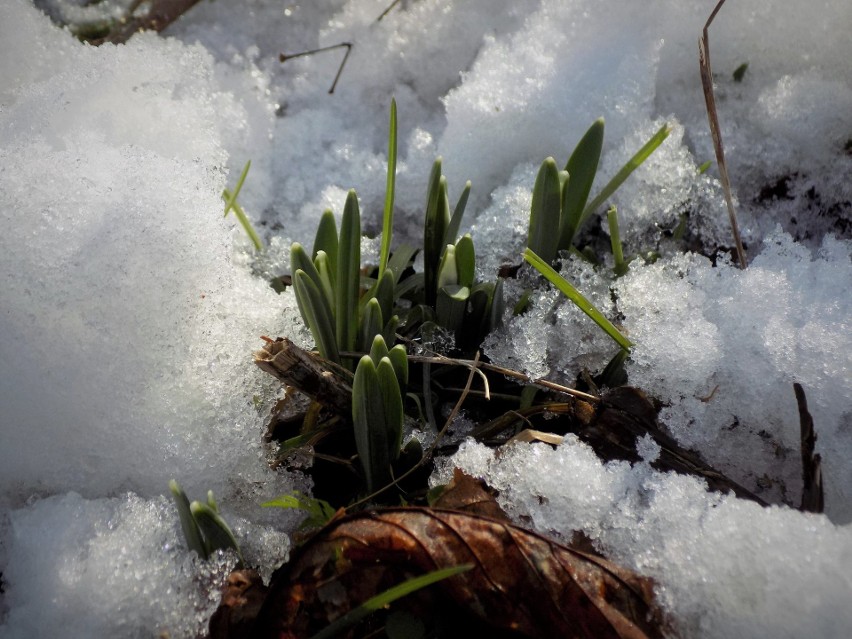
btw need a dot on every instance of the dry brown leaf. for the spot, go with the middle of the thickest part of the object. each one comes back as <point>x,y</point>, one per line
<point>242,598</point>
<point>521,581</point>
<point>466,494</point>
<point>530,436</point>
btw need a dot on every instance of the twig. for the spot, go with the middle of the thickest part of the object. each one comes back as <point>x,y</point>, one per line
<point>288,56</point>
<point>508,372</point>
<point>387,10</point>
<point>715,131</point>
<point>306,371</point>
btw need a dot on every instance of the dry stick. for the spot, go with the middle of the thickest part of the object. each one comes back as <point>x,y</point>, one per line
<point>508,372</point>
<point>306,371</point>
<point>388,10</point>
<point>434,445</point>
<point>716,133</point>
<point>288,56</point>
<point>437,358</point>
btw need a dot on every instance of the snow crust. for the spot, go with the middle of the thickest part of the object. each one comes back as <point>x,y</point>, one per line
<point>130,307</point>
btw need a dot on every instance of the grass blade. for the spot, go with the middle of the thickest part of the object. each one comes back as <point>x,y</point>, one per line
<point>387,597</point>
<point>615,241</point>
<point>458,213</point>
<point>319,511</point>
<point>434,230</point>
<point>231,205</point>
<point>387,216</point>
<point>631,165</point>
<point>575,296</point>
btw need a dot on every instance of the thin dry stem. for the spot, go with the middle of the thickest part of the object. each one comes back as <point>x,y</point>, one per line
<point>288,56</point>
<point>715,131</point>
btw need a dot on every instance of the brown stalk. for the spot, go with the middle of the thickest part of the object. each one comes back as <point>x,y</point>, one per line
<point>289,56</point>
<point>715,131</point>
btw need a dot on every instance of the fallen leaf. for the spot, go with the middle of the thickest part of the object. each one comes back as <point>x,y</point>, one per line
<point>521,582</point>
<point>242,598</point>
<point>466,494</point>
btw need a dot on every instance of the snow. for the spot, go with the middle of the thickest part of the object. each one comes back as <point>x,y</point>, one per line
<point>130,306</point>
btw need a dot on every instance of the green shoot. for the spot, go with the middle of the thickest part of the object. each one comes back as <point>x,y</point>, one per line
<point>458,213</point>
<point>319,511</point>
<point>387,218</point>
<point>545,210</point>
<point>615,240</point>
<point>582,167</point>
<point>435,226</point>
<point>217,534</point>
<point>377,412</point>
<point>631,165</point>
<point>348,273</point>
<point>740,71</point>
<point>191,532</point>
<point>559,200</point>
<point>387,597</point>
<point>203,527</point>
<point>680,229</point>
<point>575,296</point>
<point>232,205</point>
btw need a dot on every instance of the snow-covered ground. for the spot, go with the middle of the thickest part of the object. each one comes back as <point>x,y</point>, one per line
<point>129,308</point>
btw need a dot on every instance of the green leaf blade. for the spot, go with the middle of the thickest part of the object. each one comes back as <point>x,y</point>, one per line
<point>434,230</point>
<point>316,313</point>
<point>348,273</point>
<point>326,239</point>
<point>368,417</point>
<point>466,261</point>
<point>191,531</point>
<point>631,165</point>
<point>582,167</point>
<point>458,213</point>
<point>392,402</point>
<point>543,234</point>
<point>217,534</point>
<point>387,597</point>
<point>387,216</point>
<point>577,298</point>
